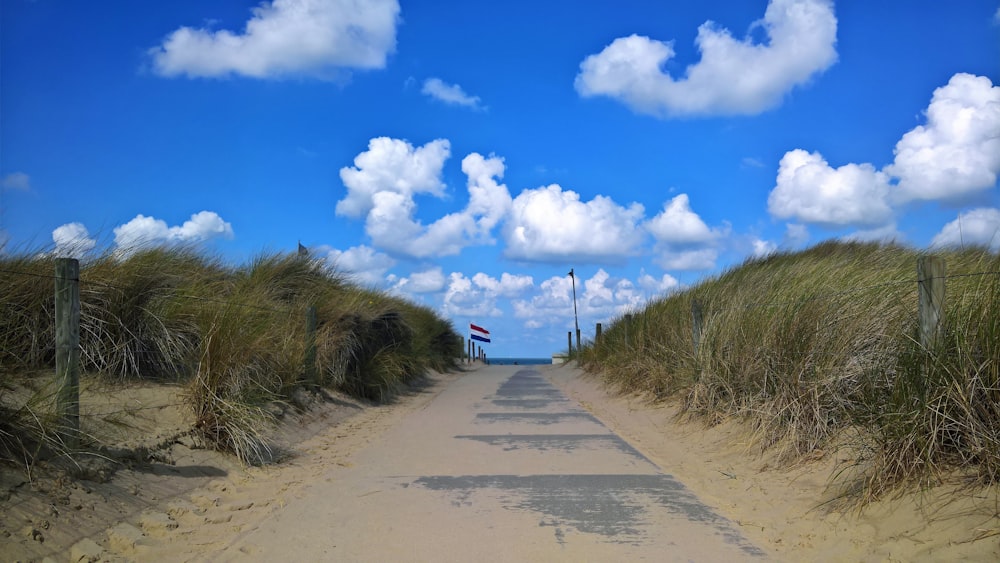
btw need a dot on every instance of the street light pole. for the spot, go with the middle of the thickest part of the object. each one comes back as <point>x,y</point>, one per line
<point>576,318</point>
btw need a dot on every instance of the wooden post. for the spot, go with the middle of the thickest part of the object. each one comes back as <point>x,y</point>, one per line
<point>578,347</point>
<point>597,336</point>
<point>930,281</point>
<point>311,373</point>
<point>67,296</point>
<point>696,320</point>
<point>569,342</point>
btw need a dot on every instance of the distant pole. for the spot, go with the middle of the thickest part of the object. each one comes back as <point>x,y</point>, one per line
<point>67,297</point>
<point>597,336</point>
<point>576,319</point>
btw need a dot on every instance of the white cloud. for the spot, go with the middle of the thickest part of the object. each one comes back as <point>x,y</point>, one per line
<point>451,94</point>
<point>683,240</point>
<point>465,297</point>
<point>808,189</point>
<point>314,38</point>
<point>732,77</point>
<point>796,235</point>
<point>385,179</point>
<point>653,286</point>
<point>16,181</point>
<point>763,247</point>
<point>142,231</point>
<point>677,224</point>
<point>996,17</point>
<point>977,227</point>
<point>954,157</point>
<point>599,298</point>
<point>392,165</point>
<point>427,281</point>
<point>72,240</point>
<point>509,285</point>
<point>957,153</point>
<point>550,224</point>
<point>362,262</point>
<point>751,162</point>
<point>687,260</point>
<point>885,233</point>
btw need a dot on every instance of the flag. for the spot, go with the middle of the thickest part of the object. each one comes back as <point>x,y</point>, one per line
<point>478,333</point>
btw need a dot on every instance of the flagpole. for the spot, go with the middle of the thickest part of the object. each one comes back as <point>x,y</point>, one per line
<point>576,318</point>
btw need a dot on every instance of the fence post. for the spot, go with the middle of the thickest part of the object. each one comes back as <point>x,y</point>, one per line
<point>578,347</point>
<point>597,336</point>
<point>696,321</point>
<point>312,374</point>
<point>67,305</point>
<point>628,324</point>
<point>569,342</point>
<point>930,280</point>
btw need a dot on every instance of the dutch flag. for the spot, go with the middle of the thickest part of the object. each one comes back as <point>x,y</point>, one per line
<point>479,333</point>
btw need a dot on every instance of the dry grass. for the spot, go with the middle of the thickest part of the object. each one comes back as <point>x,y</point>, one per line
<point>235,336</point>
<point>803,346</point>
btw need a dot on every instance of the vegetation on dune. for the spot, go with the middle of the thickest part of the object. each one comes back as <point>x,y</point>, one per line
<point>234,336</point>
<point>810,347</point>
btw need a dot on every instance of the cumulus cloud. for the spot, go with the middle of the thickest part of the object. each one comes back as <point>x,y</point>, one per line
<point>451,94</point>
<point>509,285</point>
<point>552,224</point>
<point>657,286</point>
<point>796,235</point>
<point>885,233</point>
<point>362,263</point>
<point>16,181</point>
<point>954,157</point>
<point>394,166</point>
<point>808,189</point>
<point>957,153</point>
<point>598,298</point>
<point>763,247</point>
<point>382,185</point>
<point>314,38</point>
<point>72,240</point>
<point>432,280</point>
<point>480,294</point>
<point>978,227</point>
<point>683,240</point>
<point>150,231</point>
<point>734,76</point>
<point>678,224</point>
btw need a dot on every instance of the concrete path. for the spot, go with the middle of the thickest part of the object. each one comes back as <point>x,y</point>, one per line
<point>500,466</point>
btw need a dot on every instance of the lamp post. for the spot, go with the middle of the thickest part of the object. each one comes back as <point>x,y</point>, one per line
<point>576,318</point>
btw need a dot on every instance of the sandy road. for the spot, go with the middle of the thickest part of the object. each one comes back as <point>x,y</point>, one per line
<point>499,465</point>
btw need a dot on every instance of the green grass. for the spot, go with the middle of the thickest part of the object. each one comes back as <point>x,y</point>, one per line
<point>806,346</point>
<point>234,335</point>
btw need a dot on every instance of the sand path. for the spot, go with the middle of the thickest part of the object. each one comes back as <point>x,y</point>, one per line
<point>498,464</point>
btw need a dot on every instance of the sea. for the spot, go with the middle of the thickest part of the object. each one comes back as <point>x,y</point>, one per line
<point>519,361</point>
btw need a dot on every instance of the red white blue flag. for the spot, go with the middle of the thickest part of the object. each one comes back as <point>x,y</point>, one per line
<point>478,333</point>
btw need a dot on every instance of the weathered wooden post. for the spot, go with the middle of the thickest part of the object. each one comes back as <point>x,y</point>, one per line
<point>67,297</point>
<point>311,373</point>
<point>597,336</point>
<point>696,320</point>
<point>930,281</point>
<point>569,342</point>
<point>628,324</point>
<point>578,347</point>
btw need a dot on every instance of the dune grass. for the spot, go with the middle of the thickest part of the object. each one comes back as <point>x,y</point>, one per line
<point>235,336</point>
<point>812,346</point>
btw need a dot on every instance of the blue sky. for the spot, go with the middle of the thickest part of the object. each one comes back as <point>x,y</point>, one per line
<point>468,154</point>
